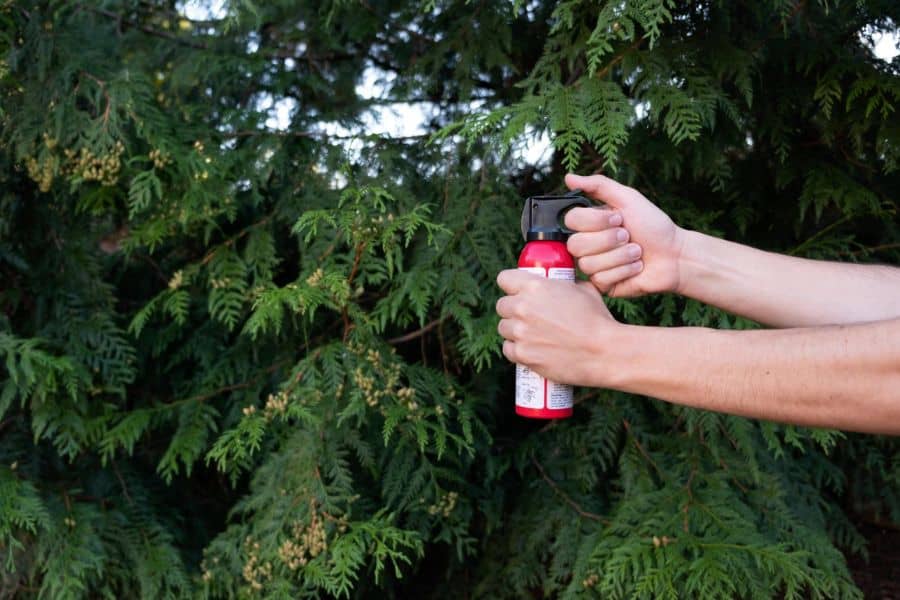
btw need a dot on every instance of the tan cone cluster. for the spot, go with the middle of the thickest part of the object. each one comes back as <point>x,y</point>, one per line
<point>255,571</point>
<point>308,540</point>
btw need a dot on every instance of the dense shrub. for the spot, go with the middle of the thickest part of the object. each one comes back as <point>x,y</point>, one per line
<point>244,357</point>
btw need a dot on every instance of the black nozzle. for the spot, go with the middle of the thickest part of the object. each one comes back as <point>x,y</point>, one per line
<point>542,214</point>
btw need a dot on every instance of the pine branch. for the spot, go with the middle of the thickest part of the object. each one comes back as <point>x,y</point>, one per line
<point>565,497</point>
<point>324,136</point>
<point>125,493</point>
<point>358,254</point>
<point>870,249</point>
<point>102,86</point>
<point>230,241</point>
<point>640,447</point>
<point>119,18</point>
<point>417,333</point>
<point>619,57</point>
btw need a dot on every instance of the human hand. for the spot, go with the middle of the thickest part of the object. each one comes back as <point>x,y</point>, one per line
<point>558,328</point>
<point>648,263</point>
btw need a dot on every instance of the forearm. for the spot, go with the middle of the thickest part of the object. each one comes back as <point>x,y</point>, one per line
<point>785,291</point>
<point>845,377</point>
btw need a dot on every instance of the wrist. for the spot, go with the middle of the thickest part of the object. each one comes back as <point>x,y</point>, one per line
<point>655,361</point>
<point>695,269</point>
<point>614,354</point>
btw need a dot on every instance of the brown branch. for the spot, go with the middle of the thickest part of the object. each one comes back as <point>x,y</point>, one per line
<point>734,478</point>
<point>417,333</point>
<point>690,494</point>
<point>619,57</point>
<point>216,392</point>
<point>873,249</point>
<point>148,30</point>
<point>321,135</point>
<point>440,337</point>
<point>231,387</point>
<point>640,448</point>
<point>345,317</point>
<point>422,351</point>
<point>121,481</point>
<point>553,485</point>
<point>175,15</point>
<point>868,168</point>
<point>102,85</point>
<point>331,247</point>
<point>156,268</point>
<point>817,235</point>
<point>256,132</point>
<point>209,256</point>
<point>360,248</point>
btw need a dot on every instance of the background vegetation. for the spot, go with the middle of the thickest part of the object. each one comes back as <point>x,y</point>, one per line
<point>245,358</point>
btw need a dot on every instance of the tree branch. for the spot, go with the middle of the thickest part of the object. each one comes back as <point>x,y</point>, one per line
<point>417,333</point>
<point>641,449</point>
<point>565,497</point>
<point>321,135</point>
<point>618,58</point>
<point>148,30</point>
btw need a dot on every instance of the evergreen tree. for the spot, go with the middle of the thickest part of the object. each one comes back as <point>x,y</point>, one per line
<point>245,360</point>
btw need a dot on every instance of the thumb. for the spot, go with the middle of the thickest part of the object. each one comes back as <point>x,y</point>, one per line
<point>604,189</point>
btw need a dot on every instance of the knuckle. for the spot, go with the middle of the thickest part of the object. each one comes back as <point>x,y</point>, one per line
<point>522,310</point>
<point>531,288</point>
<point>634,195</point>
<point>518,330</point>
<point>576,245</point>
<point>533,284</point>
<point>502,306</point>
<point>509,351</point>
<point>573,219</point>
<point>587,265</point>
<point>604,241</point>
<point>601,281</point>
<point>579,218</point>
<point>525,354</point>
<point>514,308</point>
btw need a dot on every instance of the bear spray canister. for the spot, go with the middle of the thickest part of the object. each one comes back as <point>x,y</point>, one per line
<point>545,254</point>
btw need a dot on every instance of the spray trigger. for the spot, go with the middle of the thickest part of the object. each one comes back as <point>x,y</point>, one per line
<point>541,215</point>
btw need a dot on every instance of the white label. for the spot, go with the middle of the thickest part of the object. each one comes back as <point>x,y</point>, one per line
<point>559,395</point>
<point>532,390</point>
<point>561,273</point>
<point>529,388</point>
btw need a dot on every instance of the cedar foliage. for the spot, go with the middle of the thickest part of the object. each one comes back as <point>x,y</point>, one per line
<point>240,361</point>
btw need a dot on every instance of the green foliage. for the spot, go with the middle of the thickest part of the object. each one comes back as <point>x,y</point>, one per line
<point>241,360</point>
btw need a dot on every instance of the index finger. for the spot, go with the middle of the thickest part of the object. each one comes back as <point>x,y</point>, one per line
<point>592,219</point>
<point>604,189</point>
<point>512,281</point>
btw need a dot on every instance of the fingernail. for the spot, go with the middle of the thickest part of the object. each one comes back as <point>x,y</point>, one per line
<point>615,219</point>
<point>634,251</point>
<point>621,235</point>
<point>637,265</point>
